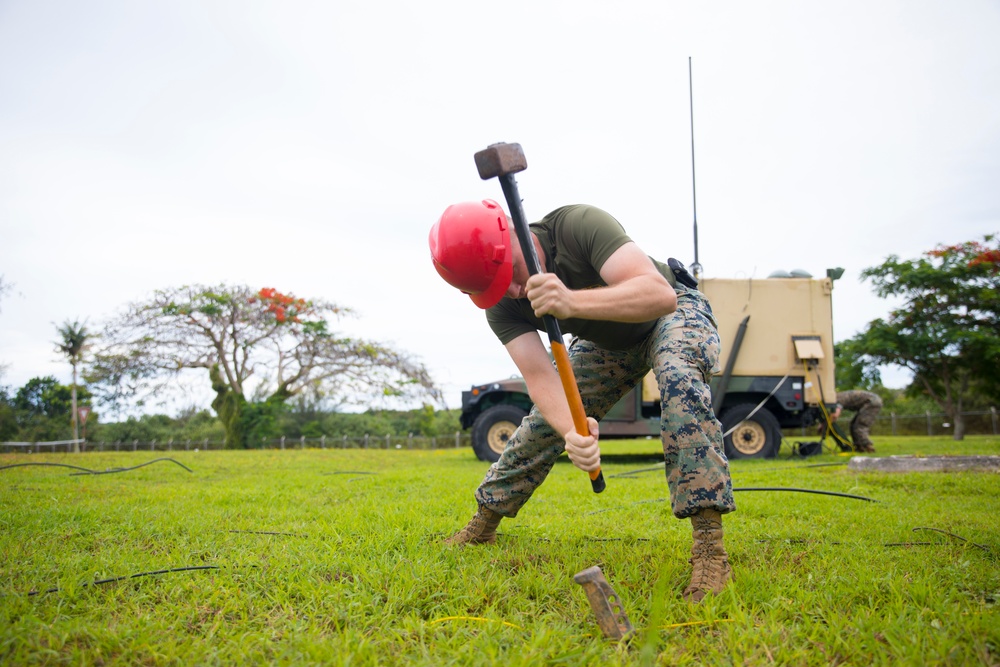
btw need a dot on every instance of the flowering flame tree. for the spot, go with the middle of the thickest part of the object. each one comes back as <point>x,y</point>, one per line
<point>947,330</point>
<point>236,334</point>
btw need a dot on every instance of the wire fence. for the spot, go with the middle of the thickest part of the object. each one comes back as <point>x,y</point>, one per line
<point>367,441</point>
<point>983,422</point>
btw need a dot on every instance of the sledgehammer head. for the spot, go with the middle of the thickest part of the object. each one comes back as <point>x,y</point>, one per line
<point>499,160</point>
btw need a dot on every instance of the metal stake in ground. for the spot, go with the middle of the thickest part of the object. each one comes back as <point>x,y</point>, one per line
<point>502,161</point>
<point>607,606</point>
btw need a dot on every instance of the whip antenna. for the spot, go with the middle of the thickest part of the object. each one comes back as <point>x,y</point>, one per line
<point>696,266</point>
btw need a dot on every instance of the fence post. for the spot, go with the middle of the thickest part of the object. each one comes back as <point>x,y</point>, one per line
<point>302,442</point>
<point>322,442</point>
<point>135,445</point>
<point>893,415</point>
<point>152,446</point>
<point>170,445</point>
<point>993,415</point>
<point>206,444</point>
<point>409,440</point>
<point>366,441</point>
<point>345,441</point>
<point>928,413</point>
<point>388,441</point>
<point>458,439</point>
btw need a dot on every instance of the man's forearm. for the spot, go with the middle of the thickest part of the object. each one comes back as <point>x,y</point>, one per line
<point>639,299</point>
<point>547,395</point>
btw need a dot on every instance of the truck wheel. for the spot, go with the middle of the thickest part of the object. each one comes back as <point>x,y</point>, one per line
<point>756,437</point>
<point>493,428</point>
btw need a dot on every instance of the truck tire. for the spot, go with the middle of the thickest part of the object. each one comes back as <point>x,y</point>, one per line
<point>493,428</point>
<point>756,437</point>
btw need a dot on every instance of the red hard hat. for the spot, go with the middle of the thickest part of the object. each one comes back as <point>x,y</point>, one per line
<point>470,246</point>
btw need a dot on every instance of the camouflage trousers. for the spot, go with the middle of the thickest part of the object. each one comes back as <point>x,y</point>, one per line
<point>683,351</point>
<point>866,406</point>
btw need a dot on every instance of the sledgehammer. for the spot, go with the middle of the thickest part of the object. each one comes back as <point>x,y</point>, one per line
<point>502,161</point>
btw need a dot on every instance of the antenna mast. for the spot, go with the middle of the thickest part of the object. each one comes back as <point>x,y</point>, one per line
<point>696,268</point>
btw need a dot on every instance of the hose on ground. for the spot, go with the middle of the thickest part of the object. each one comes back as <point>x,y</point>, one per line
<point>88,471</point>
<point>755,488</point>
<point>133,576</point>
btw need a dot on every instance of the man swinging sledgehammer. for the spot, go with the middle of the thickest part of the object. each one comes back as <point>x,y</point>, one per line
<point>628,314</point>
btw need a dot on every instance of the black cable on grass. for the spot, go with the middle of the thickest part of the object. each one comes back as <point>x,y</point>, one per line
<point>887,544</point>
<point>787,540</point>
<point>434,537</point>
<point>133,576</point>
<point>957,537</point>
<point>616,539</point>
<point>754,488</point>
<point>822,493</point>
<point>88,471</point>
<point>114,470</point>
<point>629,473</point>
<point>59,465</point>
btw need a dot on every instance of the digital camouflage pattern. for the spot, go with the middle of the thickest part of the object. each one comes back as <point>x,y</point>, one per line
<point>866,407</point>
<point>683,350</point>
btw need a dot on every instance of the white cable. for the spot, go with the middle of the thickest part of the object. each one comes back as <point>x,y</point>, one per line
<point>761,404</point>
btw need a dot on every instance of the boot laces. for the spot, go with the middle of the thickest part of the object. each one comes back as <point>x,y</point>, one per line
<point>707,566</point>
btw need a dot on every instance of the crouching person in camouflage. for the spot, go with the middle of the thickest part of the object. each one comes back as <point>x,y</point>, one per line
<point>628,315</point>
<point>866,406</point>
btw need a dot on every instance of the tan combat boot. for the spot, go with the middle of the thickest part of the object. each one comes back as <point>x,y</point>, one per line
<point>709,561</point>
<point>482,528</point>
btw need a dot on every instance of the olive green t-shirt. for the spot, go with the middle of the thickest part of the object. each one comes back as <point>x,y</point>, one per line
<point>576,241</point>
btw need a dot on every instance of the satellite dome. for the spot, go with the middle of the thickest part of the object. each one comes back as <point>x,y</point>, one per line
<point>780,273</point>
<point>801,273</point>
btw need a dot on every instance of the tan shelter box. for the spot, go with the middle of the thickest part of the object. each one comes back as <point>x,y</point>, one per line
<point>791,322</point>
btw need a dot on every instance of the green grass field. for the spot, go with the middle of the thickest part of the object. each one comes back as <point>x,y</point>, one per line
<point>335,557</point>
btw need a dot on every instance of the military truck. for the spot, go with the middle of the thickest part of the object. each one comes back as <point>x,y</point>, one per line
<point>776,369</point>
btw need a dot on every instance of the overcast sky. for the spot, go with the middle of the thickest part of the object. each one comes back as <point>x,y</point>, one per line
<point>310,146</point>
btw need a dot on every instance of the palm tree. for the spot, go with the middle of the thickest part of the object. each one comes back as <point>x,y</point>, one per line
<point>74,343</point>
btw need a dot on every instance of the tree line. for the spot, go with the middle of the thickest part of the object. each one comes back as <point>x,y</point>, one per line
<point>278,367</point>
<point>41,411</point>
